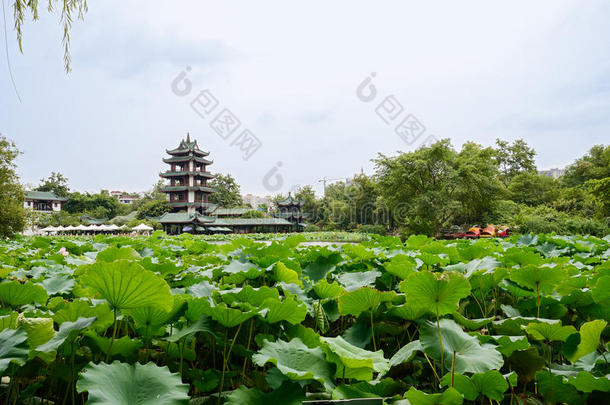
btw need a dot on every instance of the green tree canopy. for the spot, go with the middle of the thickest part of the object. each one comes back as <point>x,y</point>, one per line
<point>153,208</point>
<point>228,192</point>
<point>310,203</point>
<point>595,165</point>
<point>56,183</point>
<point>515,158</point>
<point>533,189</point>
<point>431,187</point>
<point>97,205</point>
<point>253,214</point>
<point>12,217</point>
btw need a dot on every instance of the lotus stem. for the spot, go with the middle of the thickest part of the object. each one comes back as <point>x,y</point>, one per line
<point>225,358</point>
<point>112,338</point>
<point>433,368</point>
<point>181,347</point>
<point>453,369</point>
<point>224,353</point>
<point>440,338</point>
<point>538,298</point>
<point>72,373</point>
<point>373,332</point>
<point>147,342</point>
<point>243,372</point>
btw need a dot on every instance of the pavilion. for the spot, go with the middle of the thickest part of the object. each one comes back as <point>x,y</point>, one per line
<point>188,192</point>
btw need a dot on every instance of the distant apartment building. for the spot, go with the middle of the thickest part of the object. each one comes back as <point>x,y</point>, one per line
<point>124,198</point>
<point>554,173</point>
<point>255,200</point>
<point>43,201</point>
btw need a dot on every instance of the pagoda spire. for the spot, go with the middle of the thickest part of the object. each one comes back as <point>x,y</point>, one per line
<point>188,137</point>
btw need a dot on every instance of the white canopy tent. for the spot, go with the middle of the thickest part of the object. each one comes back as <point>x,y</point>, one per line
<point>47,229</point>
<point>143,228</point>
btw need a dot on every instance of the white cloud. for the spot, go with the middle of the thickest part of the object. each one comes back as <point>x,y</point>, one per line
<point>468,71</point>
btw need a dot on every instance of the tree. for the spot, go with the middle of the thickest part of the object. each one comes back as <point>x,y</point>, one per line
<point>600,189</point>
<point>595,165</point>
<point>365,197</point>
<point>310,206</point>
<point>435,186</point>
<point>276,198</point>
<point>533,189</point>
<point>515,158</point>
<point>56,183</point>
<point>97,205</point>
<point>479,186</point>
<point>12,213</point>
<point>227,191</point>
<point>153,208</point>
<point>575,201</point>
<point>253,214</point>
<point>68,10</point>
<point>421,187</point>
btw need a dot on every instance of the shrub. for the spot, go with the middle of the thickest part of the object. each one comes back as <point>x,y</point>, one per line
<point>311,228</point>
<point>376,229</point>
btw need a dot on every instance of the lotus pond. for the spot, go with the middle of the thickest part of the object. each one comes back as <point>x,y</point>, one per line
<point>178,320</point>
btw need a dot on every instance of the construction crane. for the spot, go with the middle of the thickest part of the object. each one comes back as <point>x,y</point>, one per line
<point>324,180</point>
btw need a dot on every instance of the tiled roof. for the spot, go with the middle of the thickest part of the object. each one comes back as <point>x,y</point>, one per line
<point>187,158</point>
<point>249,221</point>
<point>43,195</point>
<point>187,146</point>
<point>290,200</point>
<point>230,211</point>
<point>183,218</point>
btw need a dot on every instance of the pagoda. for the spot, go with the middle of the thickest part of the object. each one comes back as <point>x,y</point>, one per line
<point>290,209</point>
<point>187,192</point>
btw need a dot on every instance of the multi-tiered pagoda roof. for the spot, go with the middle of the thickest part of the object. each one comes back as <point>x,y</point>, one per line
<point>187,176</point>
<point>188,192</point>
<point>290,209</point>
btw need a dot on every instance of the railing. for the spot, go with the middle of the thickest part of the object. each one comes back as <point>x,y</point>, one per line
<point>184,172</point>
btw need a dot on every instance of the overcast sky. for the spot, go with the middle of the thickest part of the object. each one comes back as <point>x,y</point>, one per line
<point>289,73</point>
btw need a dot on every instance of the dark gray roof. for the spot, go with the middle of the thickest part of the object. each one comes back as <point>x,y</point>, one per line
<point>187,146</point>
<point>184,218</point>
<point>290,200</point>
<point>43,195</point>
<point>230,211</point>
<point>249,221</point>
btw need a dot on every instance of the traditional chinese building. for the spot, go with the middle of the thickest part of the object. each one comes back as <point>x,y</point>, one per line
<point>187,190</point>
<point>187,193</point>
<point>43,201</point>
<point>290,210</point>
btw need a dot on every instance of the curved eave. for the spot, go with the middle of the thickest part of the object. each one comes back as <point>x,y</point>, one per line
<point>183,204</point>
<point>176,159</point>
<point>288,215</point>
<point>186,173</point>
<point>198,220</point>
<point>168,189</point>
<point>178,151</point>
